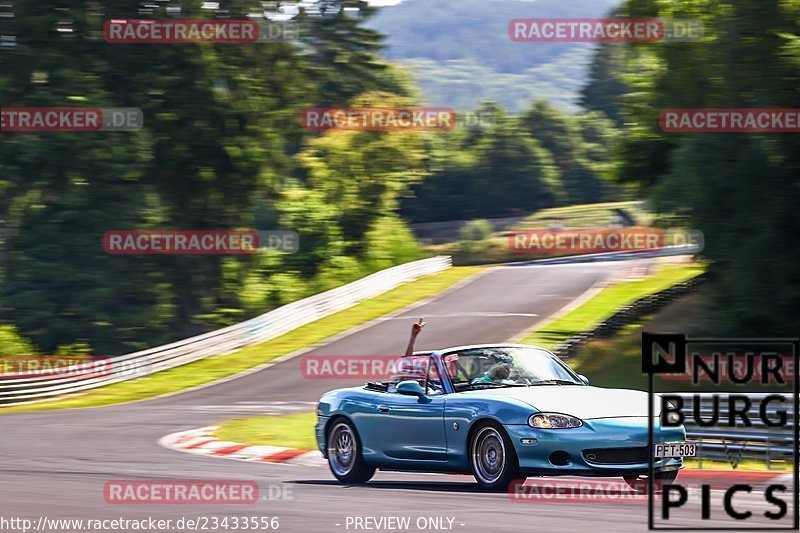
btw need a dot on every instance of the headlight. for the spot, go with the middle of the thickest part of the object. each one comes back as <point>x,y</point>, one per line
<point>553,421</point>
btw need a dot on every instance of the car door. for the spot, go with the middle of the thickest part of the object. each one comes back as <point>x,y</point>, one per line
<point>411,428</point>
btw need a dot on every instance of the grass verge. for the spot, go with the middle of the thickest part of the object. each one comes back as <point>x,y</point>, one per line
<point>212,369</point>
<point>617,361</point>
<point>291,431</point>
<point>297,431</point>
<point>495,247</point>
<point>607,301</point>
<point>746,465</point>
<point>586,215</point>
<point>614,362</point>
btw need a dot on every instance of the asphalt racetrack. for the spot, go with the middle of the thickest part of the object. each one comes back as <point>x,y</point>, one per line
<point>55,464</point>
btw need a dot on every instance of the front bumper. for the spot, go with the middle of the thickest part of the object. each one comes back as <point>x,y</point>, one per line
<point>319,431</point>
<point>562,451</point>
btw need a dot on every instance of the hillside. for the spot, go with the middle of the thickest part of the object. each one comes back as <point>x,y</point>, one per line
<point>461,53</point>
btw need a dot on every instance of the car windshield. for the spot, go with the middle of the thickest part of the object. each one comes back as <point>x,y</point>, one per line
<point>507,367</point>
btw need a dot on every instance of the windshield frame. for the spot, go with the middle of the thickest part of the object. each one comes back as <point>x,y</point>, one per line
<point>451,385</point>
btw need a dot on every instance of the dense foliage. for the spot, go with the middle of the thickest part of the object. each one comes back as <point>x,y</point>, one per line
<point>222,148</point>
<point>741,189</point>
<point>512,165</point>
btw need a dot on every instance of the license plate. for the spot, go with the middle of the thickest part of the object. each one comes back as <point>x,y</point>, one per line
<point>675,450</point>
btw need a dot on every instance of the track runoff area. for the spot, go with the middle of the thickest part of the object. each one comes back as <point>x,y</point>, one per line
<point>207,492</point>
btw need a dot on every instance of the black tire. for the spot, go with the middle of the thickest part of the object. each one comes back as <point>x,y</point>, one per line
<point>492,458</point>
<point>343,447</point>
<point>641,485</point>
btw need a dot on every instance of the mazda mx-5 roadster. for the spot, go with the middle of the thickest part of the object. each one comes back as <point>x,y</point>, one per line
<point>499,412</point>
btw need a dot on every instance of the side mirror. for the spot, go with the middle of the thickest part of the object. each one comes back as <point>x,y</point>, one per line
<point>584,378</point>
<point>410,388</point>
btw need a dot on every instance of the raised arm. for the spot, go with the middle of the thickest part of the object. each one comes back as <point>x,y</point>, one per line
<point>416,327</point>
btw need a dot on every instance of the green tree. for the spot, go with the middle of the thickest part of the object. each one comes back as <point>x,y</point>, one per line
<point>740,189</point>
<point>514,173</point>
<point>218,142</point>
<point>583,147</point>
<point>363,173</point>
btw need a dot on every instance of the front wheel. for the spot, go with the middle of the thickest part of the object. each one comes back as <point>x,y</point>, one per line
<point>641,485</point>
<point>493,458</point>
<point>344,454</point>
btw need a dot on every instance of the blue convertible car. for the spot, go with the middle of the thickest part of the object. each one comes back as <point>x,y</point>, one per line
<point>499,412</point>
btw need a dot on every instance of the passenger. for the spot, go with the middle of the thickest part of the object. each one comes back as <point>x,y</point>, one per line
<point>416,327</point>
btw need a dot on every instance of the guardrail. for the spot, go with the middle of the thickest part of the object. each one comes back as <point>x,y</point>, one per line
<point>627,315</point>
<point>226,340</point>
<point>666,251</point>
<point>772,445</point>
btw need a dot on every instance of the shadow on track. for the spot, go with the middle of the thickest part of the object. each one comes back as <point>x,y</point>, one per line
<point>432,486</point>
<point>538,489</point>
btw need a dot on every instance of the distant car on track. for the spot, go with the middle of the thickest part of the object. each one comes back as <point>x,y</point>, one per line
<point>499,412</point>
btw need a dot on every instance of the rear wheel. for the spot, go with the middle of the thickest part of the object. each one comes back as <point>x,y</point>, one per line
<point>493,458</point>
<point>344,454</point>
<point>641,485</point>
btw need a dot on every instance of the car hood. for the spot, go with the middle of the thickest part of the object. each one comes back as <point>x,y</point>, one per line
<point>584,402</point>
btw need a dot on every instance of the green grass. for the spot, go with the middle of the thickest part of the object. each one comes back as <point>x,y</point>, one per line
<point>607,301</point>
<point>614,362</point>
<point>495,248</point>
<point>617,361</point>
<point>214,368</point>
<point>291,431</point>
<point>746,465</point>
<point>585,215</point>
<point>297,431</point>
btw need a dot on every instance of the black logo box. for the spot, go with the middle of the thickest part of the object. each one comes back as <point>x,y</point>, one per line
<point>671,349</point>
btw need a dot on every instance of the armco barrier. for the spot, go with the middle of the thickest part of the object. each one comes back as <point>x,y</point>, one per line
<point>773,446</point>
<point>627,315</point>
<point>667,251</point>
<point>254,331</point>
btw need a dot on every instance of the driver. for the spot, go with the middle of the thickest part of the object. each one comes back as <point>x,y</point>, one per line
<point>416,327</point>
<point>497,372</point>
